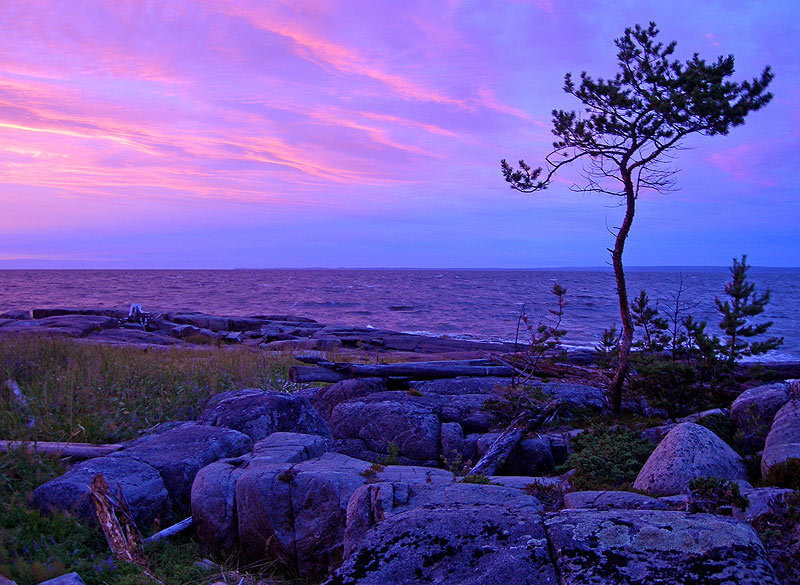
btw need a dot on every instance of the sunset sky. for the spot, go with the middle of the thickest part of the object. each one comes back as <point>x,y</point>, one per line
<point>267,133</point>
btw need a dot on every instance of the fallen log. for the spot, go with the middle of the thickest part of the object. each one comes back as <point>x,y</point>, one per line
<point>76,450</point>
<point>410,370</point>
<point>502,447</point>
<point>169,531</point>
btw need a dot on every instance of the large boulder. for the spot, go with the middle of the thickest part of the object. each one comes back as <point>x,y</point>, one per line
<point>213,495</point>
<point>258,414</point>
<point>783,440</point>
<point>399,421</point>
<point>689,451</point>
<point>631,547</point>
<point>466,534</point>
<point>141,484</point>
<point>326,399</point>
<point>294,514</point>
<point>179,453</point>
<point>754,410</point>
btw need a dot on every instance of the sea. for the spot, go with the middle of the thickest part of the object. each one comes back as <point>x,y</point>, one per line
<point>466,304</point>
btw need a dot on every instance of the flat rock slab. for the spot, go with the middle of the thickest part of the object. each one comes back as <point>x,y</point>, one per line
<point>469,543</point>
<point>689,451</point>
<point>632,547</point>
<point>141,484</point>
<point>258,414</point>
<point>608,500</point>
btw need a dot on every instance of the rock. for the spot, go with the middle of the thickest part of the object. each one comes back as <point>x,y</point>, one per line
<point>295,514</point>
<point>783,440</point>
<point>576,395</point>
<point>75,325</point>
<point>5,581</point>
<point>258,414</point>
<point>453,443</point>
<point>694,417</point>
<point>609,500</point>
<point>213,495</point>
<point>402,421</point>
<point>141,484</point>
<point>624,547</point>
<point>688,451</point>
<point>199,320</point>
<point>471,535</point>
<point>15,314</point>
<point>233,337</point>
<point>327,344</point>
<point>326,399</point>
<point>462,385</point>
<point>754,411</point>
<point>58,312</point>
<point>244,324</point>
<point>132,337</point>
<point>762,501</point>
<point>179,453</point>
<point>68,579</point>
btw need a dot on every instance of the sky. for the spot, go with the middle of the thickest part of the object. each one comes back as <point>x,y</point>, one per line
<point>364,133</point>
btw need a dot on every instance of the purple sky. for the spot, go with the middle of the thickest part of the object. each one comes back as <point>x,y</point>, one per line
<point>274,133</point>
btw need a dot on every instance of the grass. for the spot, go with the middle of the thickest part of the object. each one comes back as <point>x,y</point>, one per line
<point>104,394</point>
<point>34,547</point>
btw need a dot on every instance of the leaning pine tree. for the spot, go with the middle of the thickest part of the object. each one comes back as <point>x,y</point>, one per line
<point>632,126</point>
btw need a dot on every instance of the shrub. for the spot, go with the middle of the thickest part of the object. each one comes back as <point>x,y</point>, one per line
<point>785,474</point>
<point>721,425</point>
<point>666,384</point>
<point>478,478</point>
<point>715,496</point>
<point>393,457</point>
<point>550,496</point>
<point>607,458</point>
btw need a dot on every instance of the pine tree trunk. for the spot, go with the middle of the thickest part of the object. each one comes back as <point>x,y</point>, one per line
<point>624,365</point>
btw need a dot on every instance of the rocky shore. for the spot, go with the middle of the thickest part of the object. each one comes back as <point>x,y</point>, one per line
<point>362,481</point>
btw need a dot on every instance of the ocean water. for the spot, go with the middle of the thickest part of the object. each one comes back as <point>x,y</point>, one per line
<point>473,304</point>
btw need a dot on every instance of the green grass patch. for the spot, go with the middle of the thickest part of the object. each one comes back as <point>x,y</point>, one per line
<point>96,393</point>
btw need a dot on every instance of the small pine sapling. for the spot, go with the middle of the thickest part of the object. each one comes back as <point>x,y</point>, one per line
<point>655,336</point>
<point>742,304</point>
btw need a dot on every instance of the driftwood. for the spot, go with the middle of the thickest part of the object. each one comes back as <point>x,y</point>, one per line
<point>76,450</point>
<point>169,531</point>
<point>332,372</point>
<point>20,400</point>
<point>502,447</point>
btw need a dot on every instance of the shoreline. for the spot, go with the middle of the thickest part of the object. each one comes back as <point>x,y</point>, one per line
<point>287,333</point>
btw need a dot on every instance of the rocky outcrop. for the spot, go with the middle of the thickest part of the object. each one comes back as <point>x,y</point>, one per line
<point>155,473</point>
<point>630,547</point>
<point>688,451</point>
<point>466,534</point>
<point>754,410</point>
<point>213,495</point>
<point>259,413</point>
<point>68,579</point>
<point>783,440</point>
